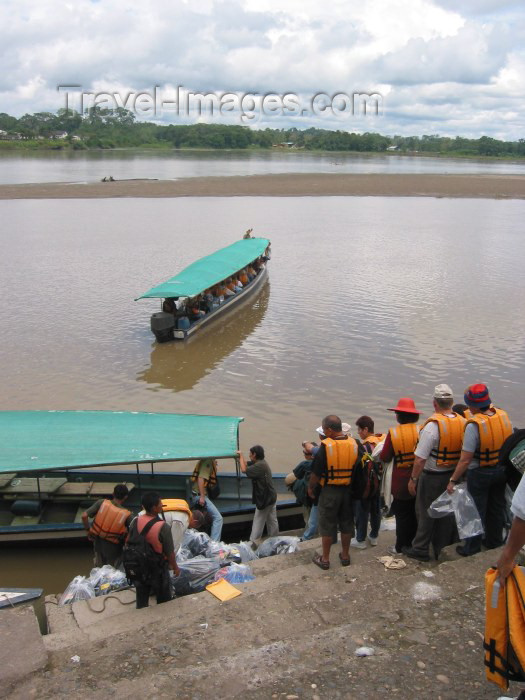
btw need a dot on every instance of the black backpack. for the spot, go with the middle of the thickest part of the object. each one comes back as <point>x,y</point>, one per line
<point>366,479</point>
<point>512,473</point>
<point>142,563</point>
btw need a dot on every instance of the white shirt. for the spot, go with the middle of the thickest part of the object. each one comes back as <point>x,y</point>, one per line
<point>518,501</point>
<point>428,441</point>
<point>178,522</point>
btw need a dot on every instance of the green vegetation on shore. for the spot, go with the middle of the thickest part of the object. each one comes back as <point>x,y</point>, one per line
<point>106,129</point>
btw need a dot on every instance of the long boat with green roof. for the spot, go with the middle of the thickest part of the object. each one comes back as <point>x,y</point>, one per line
<point>209,288</point>
<point>55,464</point>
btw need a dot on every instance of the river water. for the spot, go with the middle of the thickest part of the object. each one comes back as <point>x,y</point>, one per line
<point>168,165</point>
<point>368,299</point>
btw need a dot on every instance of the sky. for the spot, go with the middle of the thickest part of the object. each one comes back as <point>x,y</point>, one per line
<point>444,67</point>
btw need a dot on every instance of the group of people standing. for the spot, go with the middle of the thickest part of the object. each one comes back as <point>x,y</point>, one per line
<point>456,442</point>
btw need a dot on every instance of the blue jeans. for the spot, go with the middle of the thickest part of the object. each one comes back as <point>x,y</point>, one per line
<point>313,523</point>
<point>486,485</point>
<point>216,525</point>
<point>362,510</point>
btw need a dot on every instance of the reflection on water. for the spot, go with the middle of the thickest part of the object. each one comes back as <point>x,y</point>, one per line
<point>179,366</point>
<point>167,165</point>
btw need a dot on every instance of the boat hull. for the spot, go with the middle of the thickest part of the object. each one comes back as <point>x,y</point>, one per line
<point>60,519</point>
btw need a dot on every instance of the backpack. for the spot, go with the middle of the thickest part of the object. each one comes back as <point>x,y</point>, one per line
<point>366,479</point>
<point>512,471</point>
<point>141,562</point>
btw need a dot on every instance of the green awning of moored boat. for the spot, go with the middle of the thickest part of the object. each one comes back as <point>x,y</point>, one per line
<point>45,440</point>
<point>208,271</point>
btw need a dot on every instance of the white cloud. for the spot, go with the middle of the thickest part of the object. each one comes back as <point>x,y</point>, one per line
<point>441,66</point>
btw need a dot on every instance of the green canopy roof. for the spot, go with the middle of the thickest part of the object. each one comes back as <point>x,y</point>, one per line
<point>45,440</point>
<point>208,271</point>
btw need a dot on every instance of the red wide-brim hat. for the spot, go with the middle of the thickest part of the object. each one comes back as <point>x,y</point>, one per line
<point>405,405</point>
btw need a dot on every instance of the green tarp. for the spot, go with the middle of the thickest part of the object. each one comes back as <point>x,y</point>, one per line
<point>208,271</point>
<point>44,440</point>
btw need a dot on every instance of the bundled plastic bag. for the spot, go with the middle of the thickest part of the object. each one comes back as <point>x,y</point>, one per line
<point>79,589</point>
<point>235,573</point>
<point>106,578</point>
<point>282,544</point>
<point>246,552</point>
<point>195,574</point>
<point>197,542</point>
<point>461,503</point>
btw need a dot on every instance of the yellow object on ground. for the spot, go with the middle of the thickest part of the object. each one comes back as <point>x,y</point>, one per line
<point>223,590</point>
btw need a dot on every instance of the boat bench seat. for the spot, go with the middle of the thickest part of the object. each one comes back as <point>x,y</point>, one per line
<point>6,478</point>
<point>74,488</point>
<point>25,520</point>
<point>105,488</point>
<point>25,485</point>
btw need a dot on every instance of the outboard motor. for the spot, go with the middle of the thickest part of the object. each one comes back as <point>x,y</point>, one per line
<point>162,325</point>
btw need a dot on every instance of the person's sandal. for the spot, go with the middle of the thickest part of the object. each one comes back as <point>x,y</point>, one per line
<point>318,561</point>
<point>344,562</point>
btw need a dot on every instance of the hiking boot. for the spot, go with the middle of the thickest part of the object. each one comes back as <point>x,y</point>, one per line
<point>373,541</point>
<point>414,554</point>
<point>358,545</point>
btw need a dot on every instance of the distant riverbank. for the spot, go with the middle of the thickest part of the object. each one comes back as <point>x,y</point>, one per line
<point>285,185</point>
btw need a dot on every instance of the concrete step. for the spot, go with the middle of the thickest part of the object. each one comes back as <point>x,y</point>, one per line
<point>291,628</point>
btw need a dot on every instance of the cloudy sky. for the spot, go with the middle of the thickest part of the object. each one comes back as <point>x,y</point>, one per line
<point>446,67</point>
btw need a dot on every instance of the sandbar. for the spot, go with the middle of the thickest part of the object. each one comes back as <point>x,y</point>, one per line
<point>284,185</point>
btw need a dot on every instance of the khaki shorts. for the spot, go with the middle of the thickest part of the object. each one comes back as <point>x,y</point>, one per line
<point>335,509</point>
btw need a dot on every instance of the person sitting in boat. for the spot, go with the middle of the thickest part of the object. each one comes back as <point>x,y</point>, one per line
<point>110,526</point>
<point>218,294</point>
<point>194,310</point>
<point>229,288</point>
<point>238,284</point>
<point>250,272</point>
<point>243,277</point>
<point>168,306</point>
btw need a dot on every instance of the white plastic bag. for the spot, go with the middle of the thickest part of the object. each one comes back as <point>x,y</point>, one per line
<point>79,589</point>
<point>461,503</point>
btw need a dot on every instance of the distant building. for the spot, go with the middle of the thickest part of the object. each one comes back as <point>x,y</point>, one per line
<point>392,148</point>
<point>58,135</point>
<point>4,136</point>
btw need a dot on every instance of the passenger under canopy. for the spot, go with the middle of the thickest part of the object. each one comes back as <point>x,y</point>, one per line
<point>210,270</point>
<point>36,441</point>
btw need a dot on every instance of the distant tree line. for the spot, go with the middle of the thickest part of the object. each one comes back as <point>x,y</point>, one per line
<point>105,128</point>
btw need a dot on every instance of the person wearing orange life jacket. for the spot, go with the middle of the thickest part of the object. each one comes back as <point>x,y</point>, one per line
<point>109,526</point>
<point>177,514</point>
<point>158,535</point>
<point>436,456</point>
<point>399,446</point>
<point>485,433</point>
<point>332,469</point>
<point>371,507</point>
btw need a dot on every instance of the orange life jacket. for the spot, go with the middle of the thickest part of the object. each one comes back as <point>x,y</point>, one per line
<point>450,439</point>
<point>504,641</point>
<point>467,413</point>
<point>341,455</point>
<point>177,504</point>
<point>244,278</point>
<point>404,439</point>
<point>212,481</point>
<point>374,439</point>
<point>493,431</point>
<point>110,522</point>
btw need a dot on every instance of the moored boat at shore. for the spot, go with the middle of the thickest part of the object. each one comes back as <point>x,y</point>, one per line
<point>209,288</point>
<point>55,464</point>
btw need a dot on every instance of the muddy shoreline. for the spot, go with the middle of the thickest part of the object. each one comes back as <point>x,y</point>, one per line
<point>287,185</point>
